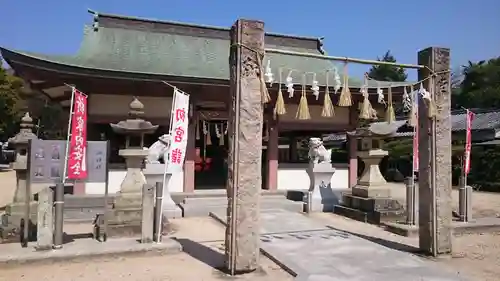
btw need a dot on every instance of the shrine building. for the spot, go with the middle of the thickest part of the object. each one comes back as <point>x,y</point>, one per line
<point>121,57</point>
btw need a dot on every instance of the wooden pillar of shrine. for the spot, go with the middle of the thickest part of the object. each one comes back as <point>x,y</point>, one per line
<point>189,162</point>
<point>272,153</point>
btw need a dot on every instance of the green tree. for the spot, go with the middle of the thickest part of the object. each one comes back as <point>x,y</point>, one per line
<point>10,103</point>
<point>387,72</point>
<point>480,87</point>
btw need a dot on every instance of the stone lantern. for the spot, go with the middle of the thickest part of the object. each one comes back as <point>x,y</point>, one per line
<point>20,142</point>
<point>370,200</point>
<point>125,217</point>
<point>134,153</point>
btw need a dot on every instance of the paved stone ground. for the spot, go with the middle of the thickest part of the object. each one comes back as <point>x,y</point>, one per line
<point>316,252</point>
<point>476,256</point>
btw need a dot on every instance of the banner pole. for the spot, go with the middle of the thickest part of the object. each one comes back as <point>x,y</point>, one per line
<point>71,112</point>
<point>174,99</point>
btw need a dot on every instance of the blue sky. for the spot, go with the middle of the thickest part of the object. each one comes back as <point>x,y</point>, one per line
<point>354,28</point>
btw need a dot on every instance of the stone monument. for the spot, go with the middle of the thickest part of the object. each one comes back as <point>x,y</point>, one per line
<point>125,217</point>
<point>370,200</point>
<point>320,196</point>
<point>154,172</point>
<point>16,211</point>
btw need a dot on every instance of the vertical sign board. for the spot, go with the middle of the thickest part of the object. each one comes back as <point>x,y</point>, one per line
<point>46,163</point>
<point>76,154</point>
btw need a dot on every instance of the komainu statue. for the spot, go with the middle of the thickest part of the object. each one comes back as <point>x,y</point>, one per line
<point>159,150</point>
<point>317,151</point>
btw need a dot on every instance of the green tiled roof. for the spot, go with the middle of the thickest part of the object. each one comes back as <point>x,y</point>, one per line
<point>161,53</point>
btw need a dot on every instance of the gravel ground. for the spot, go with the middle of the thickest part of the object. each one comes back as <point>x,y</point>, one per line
<point>203,245</point>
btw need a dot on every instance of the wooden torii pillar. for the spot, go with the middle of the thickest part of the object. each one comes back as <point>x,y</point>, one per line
<point>245,147</point>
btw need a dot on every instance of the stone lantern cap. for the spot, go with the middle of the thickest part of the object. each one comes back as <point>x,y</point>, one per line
<point>25,133</point>
<point>376,130</point>
<point>135,125</point>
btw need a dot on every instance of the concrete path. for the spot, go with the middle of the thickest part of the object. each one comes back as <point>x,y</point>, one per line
<point>318,253</point>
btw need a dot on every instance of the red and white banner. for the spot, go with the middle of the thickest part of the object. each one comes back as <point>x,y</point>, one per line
<point>468,141</point>
<point>415,131</point>
<point>77,164</point>
<point>178,131</point>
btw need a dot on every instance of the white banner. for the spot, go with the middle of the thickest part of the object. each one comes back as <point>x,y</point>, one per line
<point>179,123</point>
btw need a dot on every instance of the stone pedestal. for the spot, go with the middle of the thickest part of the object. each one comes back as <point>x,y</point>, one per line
<point>154,174</point>
<point>125,217</point>
<point>371,183</point>
<point>134,179</point>
<point>45,223</point>
<point>370,200</point>
<point>321,197</point>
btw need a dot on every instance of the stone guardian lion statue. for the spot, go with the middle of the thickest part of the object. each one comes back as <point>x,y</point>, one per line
<point>317,151</point>
<point>158,150</point>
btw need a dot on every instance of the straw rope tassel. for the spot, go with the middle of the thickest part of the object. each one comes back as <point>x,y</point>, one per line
<point>221,135</point>
<point>413,111</point>
<point>345,99</point>
<point>303,110</point>
<point>366,109</point>
<point>208,136</point>
<point>328,109</point>
<point>279,107</point>
<point>263,89</point>
<point>389,114</point>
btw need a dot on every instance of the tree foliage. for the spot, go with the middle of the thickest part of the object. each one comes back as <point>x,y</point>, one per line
<point>10,103</point>
<point>387,72</point>
<point>480,86</point>
<point>476,85</point>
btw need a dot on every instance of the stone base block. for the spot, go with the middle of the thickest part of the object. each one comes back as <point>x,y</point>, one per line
<point>320,205</point>
<point>324,201</point>
<point>372,210</point>
<point>126,215</point>
<point>478,226</point>
<point>371,204</point>
<point>373,192</point>
<point>130,229</point>
<point>375,217</point>
<point>15,212</point>
<point>172,212</point>
<point>127,201</point>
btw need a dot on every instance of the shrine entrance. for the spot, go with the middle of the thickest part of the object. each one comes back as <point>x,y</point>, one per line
<point>211,155</point>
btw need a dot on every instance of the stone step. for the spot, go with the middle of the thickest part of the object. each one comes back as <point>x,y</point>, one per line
<point>200,209</point>
<point>375,217</point>
<point>371,204</point>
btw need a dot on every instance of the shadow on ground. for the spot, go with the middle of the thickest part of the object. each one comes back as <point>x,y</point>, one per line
<point>68,238</point>
<point>202,253</point>
<point>386,243</point>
